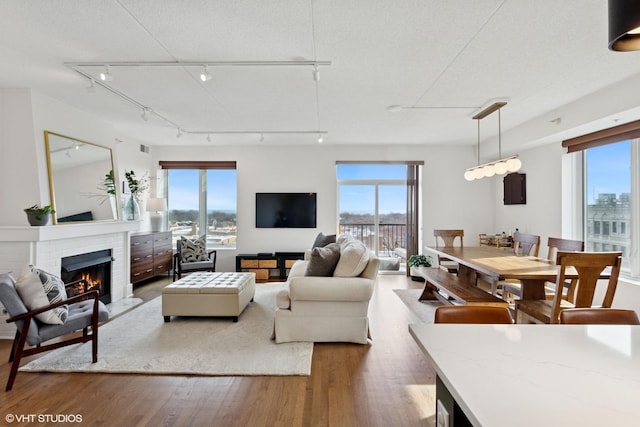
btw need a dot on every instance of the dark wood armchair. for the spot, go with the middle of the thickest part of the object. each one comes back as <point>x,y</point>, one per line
<point>181,267</point>
<point>85,313</point>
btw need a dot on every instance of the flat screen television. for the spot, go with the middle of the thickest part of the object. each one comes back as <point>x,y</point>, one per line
<point>285,210</point>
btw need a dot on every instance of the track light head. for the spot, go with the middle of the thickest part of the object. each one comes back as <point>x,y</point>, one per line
<point>106,75</point>
<point>91,88</point>
<point>209,138</point>
<point>205,76</point>
<point>316,74</point>
<point>320,139</point>
<point>144,115</point>
<point>179,134</point>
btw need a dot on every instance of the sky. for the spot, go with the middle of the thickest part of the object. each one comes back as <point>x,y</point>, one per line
<point>609,169</point>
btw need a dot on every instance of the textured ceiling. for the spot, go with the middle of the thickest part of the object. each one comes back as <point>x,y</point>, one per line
<point>447,57</point>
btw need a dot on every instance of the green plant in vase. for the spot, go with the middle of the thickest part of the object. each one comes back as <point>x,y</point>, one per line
<point>37,215</point>
<point>418,261</point>
<point>137,186</point>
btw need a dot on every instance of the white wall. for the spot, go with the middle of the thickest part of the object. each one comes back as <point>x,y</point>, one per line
<point>446,203</point>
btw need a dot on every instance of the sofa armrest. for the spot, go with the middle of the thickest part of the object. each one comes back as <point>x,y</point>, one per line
<point>311,288</point>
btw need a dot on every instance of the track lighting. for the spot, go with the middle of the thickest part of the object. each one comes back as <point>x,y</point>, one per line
<point>205,76</point>
<point>179,134</point>
<point>209,138</point>
<point>106,75</point>
<point>262,137</point>
<point>316,74</point>
<point>624,25</point>
<point>144,115</point>
<point>320,139</point>
<point>91,88</point>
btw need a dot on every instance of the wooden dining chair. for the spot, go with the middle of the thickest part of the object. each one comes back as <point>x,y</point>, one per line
<point>598,316</point>
<point>448,238</point>
<point>513,288</point>
<point>590,267</point>
<point>524,244</point>
<point>472,314</point>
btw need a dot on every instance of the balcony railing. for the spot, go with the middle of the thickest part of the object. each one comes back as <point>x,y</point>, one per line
<point>388,238</point>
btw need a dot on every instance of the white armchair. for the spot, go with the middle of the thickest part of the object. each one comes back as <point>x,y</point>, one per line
<point>325,309</point>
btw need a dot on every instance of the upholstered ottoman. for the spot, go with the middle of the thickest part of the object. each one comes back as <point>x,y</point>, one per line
<point>208,294</point>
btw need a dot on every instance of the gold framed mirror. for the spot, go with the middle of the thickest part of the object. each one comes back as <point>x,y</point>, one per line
<point>81,180</point>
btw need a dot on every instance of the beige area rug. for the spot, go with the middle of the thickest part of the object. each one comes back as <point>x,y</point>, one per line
<point>424,310</point>
<point>140,342</point>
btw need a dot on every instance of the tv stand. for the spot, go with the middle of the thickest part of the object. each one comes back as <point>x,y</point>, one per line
<point>265,265</point>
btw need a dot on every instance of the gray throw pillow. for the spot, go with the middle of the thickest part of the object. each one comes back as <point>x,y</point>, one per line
<point>193,250</point>
<point>323,240</point>
<point>323,260</point>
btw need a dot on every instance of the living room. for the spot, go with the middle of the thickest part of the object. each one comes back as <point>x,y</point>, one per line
<point>298,163</point>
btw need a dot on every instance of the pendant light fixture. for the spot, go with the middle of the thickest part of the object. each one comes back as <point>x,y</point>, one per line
<point>624,25</point>
<point>497,167</point>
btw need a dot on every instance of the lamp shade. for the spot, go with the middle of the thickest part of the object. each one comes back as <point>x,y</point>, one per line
<point>624,25</point>
<point>156,204</point>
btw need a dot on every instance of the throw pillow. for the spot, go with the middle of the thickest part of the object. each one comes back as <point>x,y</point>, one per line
<point>35,294</point>
<point>54,288</point>
<point>192,250</point>
<point>323,260</point>
<point>323,240</point>
<point>354,257</point>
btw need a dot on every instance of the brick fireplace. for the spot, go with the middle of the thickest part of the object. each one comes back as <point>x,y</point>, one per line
<point>45,247</point>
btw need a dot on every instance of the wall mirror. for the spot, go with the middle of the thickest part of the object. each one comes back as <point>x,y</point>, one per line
<point>80,180</point>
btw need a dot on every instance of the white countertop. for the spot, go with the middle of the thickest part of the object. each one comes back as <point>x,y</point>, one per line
<point>538,375</point>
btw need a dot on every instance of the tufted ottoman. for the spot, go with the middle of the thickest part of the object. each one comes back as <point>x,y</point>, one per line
<point>208,294</point>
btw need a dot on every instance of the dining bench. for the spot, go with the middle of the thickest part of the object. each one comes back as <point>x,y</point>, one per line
<point>458,290</point>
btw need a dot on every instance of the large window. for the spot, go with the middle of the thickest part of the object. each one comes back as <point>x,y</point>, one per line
<point>611,191</point>
<point>202,201</point>
<point>607,171</point>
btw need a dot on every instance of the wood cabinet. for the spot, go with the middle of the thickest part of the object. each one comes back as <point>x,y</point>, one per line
<point>150,255</point>
<point>268,266</point>
<point>515,189</point>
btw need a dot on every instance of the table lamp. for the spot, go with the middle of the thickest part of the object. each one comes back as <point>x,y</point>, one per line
<point>156,206</point>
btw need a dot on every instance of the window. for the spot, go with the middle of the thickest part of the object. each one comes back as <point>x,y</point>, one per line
<point>608,195</point>
<point>202,201</point>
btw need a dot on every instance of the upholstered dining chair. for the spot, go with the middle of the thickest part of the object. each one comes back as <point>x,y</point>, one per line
<point>191,255</point>
<point>85,311</point>
<point>598,316</point>
<point>512,288</point>
<point>472,314</point>
<point>446,239</point>
<point>590,267</point>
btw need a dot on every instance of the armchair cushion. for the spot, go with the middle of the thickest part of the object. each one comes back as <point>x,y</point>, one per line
<point>193,249</point>
<point>354,257</point>
<point>37,289</point>
<point>323,260</point>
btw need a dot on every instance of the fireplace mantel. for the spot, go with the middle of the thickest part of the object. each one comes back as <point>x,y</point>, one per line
<point>65,231</point>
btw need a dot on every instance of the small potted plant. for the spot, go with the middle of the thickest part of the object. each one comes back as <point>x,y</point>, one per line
<point>37,215</point>
<point>418,261</point>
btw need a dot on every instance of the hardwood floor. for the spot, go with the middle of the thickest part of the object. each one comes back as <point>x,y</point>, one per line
<point>385,383</point>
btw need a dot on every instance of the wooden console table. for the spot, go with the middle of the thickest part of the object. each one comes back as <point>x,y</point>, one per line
<point>263,264</point>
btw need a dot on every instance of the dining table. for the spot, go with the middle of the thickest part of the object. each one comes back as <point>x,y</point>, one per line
<point>499,263</point>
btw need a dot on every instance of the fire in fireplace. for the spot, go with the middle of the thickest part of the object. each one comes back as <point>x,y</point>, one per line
<point>94,267</point>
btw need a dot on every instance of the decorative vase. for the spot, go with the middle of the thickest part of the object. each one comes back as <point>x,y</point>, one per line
<point>131,209</point>
<point>43,220</point>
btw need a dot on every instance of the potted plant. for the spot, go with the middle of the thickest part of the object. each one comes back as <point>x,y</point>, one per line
<point>418,261</point>
<point>37,215</point>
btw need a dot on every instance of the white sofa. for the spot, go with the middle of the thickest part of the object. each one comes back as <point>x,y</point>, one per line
<point>325,309</point>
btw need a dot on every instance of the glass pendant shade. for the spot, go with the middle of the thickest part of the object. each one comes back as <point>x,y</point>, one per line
<point>500,168</point>
<point>514,165</point>
<point>478,173</point>
<point>488,171</point>
<point>469,175</point>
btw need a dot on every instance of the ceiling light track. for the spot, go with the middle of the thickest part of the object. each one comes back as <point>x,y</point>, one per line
<point>116,64</point>
<point>147,111</point>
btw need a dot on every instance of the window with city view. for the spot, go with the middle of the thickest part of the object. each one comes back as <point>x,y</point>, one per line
<point>203,202</point>
<point>608,197</point>
<point>372,205</point>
